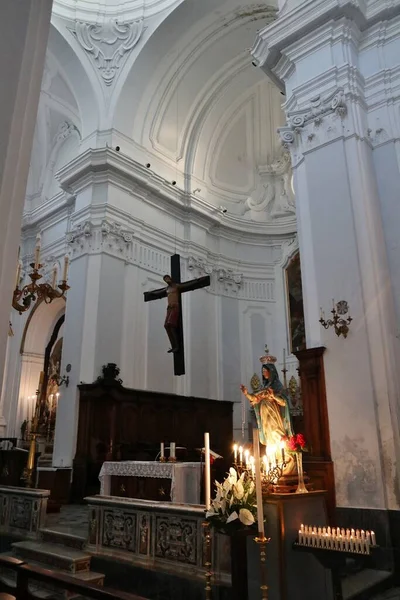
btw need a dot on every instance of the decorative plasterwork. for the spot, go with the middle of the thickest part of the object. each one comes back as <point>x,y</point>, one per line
<point>108,45</point>
<point>315,125</point>
<point>223,278</point>
<point>106,236</point>
<point>273,197</point>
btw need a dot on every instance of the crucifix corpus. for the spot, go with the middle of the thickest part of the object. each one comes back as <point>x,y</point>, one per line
<point>173,290</point>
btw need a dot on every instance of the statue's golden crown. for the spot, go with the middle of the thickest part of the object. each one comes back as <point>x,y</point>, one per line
<point>267,358</point>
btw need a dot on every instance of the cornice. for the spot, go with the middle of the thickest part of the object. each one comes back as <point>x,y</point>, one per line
<point>105,164</point>
<point>309,17</point>
<point>48,213</point>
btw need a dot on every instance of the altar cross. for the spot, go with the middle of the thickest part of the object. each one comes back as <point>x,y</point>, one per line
<point>173,321</point>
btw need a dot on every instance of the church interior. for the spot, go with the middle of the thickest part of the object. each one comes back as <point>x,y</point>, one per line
<point>199,352</point>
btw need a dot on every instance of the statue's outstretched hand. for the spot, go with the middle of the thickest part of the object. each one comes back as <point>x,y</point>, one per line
<point>244,389</point>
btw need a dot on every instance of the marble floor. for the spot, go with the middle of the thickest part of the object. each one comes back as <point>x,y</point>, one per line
<point>72,518</point>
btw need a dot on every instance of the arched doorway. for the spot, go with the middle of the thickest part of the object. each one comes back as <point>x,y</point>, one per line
<point>43,331</point>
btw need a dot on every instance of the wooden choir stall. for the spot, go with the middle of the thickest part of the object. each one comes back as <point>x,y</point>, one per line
<point>119,436</point>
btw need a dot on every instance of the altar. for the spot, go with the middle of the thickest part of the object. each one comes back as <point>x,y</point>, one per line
<point>152,480</point>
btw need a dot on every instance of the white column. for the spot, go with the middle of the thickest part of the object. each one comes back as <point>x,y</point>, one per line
<point>24,28</point>
<point>342,244</point>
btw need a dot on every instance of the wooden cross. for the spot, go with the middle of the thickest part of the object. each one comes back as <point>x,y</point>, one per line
<point>173,322</point>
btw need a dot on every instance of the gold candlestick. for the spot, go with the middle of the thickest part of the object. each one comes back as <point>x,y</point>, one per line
<point>262,544</point>
<point>207,559</point>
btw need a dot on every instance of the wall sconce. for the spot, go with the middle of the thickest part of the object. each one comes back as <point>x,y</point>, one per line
<point>340,324</point>
<point>65,378</point>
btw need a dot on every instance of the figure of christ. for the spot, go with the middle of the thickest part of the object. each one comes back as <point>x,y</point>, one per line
<point>173,292</point>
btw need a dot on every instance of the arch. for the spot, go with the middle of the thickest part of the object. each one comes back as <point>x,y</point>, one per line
<point>40,324</point>
<point>82,83</point>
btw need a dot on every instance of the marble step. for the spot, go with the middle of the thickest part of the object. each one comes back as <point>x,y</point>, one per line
<point>63,538</point>
<point>365,583</point>
<point>54,556</point>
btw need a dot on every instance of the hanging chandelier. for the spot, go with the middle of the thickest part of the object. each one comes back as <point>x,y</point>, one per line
<point>23,298</point>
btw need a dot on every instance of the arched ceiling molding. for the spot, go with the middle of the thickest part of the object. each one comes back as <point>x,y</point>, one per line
<point>40,325</point>
<point>181,30</point>
<point>260,106</point>
<point>245,108</point>
<point>93,11</point>
<point>66,133</point>
<point>79,76</point>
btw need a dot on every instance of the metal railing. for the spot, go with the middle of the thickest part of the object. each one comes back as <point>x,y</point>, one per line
<point>27,575</point>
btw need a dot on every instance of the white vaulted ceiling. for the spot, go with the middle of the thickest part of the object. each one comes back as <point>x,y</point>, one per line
<point>194,103</point>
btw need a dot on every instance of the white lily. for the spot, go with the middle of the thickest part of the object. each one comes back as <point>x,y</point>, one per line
<point>238,490</point>
<point>246,517</point>
<point>232,517</point>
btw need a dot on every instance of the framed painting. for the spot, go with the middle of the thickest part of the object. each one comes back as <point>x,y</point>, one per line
<point>297,332</point>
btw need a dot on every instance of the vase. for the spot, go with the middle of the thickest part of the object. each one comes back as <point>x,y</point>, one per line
<point>301,488</point>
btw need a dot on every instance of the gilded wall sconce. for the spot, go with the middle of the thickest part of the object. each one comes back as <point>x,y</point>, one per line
<point>340,324</point>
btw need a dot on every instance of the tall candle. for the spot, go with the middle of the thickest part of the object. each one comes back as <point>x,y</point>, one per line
<point>241,454</point>
<point>37,250</point>
<point>282,444</point>
<point>260,506</point>
<point>373,539</point>
<point>53,282</point>
<point>162,450</point>
<point>18,275</point>
<point>246,456</point>
<point>172,449</point>
<point>65,272</point>
<point>207,471</point>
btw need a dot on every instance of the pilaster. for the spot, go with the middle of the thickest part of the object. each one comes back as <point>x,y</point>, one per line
<point>315,50</point>
<point>24,28</point>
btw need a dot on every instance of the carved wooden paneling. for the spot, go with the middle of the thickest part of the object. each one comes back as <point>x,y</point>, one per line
<point>116,423</point>
<point>318,462</point>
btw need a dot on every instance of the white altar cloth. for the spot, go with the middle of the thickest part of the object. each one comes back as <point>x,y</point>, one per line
<point>185,477</point>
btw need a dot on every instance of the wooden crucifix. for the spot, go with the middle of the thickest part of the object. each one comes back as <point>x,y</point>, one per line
<point>173,325</point>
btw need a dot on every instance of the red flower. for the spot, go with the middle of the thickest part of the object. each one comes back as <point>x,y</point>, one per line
<point>301,440</point>
<point>292,444</point>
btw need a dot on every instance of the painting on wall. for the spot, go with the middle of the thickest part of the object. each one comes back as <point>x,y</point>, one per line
<point>297,333</point>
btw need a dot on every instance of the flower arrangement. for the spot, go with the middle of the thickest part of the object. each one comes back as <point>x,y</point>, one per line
<point>234,506</point>
<point>296,443</point>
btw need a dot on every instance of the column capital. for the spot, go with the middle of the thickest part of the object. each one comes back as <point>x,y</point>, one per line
<point>297,29</point>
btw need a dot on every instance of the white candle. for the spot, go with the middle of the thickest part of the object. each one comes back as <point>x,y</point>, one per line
<point>253,466</point>
<point>18,275</point>
<point>65,272</point>
<point>246,457</point>
<point>162,450</point>
<point>172,449</point>
<point>260,506</point>
<point>284,358</point>
<point>300,537</point>
<point>37,250</point>
<point>373,539</point>
<point>207,487</point>
<point>282,444</point>
<point>235,451</point>
<point>53,282</point>
<point>241,454</point>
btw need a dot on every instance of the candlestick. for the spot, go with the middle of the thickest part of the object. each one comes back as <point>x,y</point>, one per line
<point>37,250</point>
<point>208,557</point>
<point>262,544</point>
<point>207,488</point>
<point>65,272</point>
<point>260,506</point>
<point>235,451</point>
